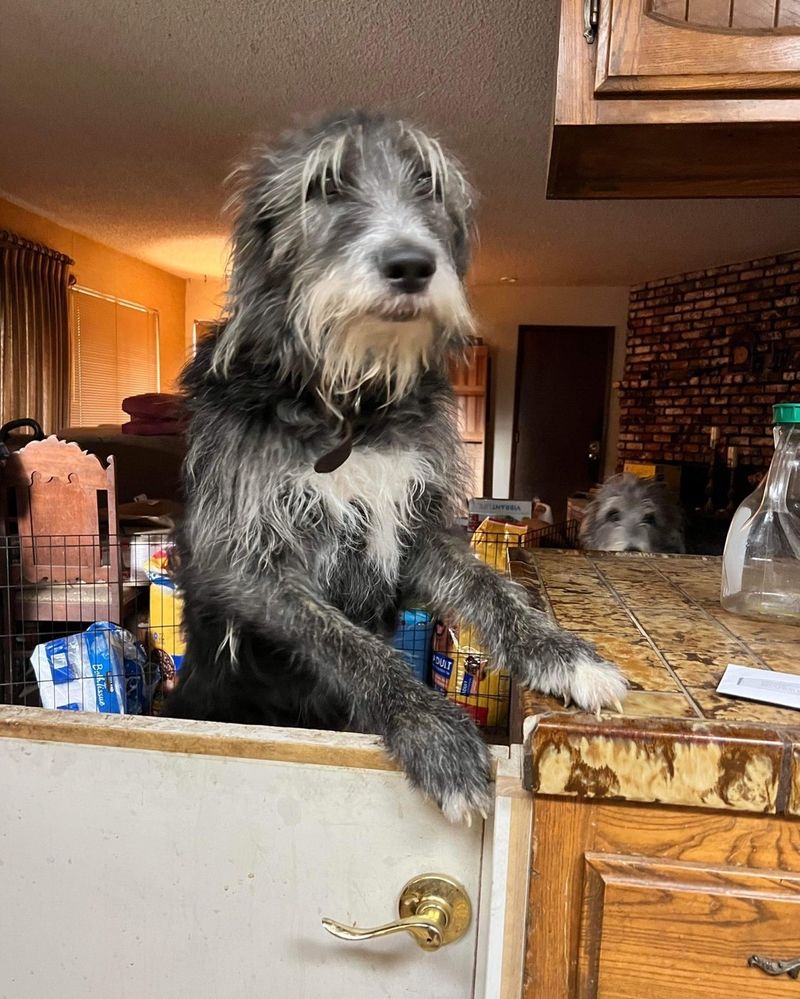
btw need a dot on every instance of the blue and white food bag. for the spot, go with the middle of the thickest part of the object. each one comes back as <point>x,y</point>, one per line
<point>413,637</point>
<point>102,669</point>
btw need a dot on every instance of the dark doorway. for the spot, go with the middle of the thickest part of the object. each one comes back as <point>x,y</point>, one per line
<point>563,375</point>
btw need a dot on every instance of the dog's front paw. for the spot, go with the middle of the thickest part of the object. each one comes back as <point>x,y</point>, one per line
<point>594,684</point>
<point>443,755</point>
<point>566,666</point>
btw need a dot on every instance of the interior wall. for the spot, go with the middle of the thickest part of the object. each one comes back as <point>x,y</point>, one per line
<point>205,298</point>
<point>501,310</point>
<point>105,270</point>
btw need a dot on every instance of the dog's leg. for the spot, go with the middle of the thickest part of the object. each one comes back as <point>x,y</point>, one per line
<point>442,571</point>
<point>436,744</point>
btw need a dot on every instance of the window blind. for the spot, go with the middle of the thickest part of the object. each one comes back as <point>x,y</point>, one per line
<point>114,355</point>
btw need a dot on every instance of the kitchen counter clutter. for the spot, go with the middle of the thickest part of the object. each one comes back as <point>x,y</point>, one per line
<point>666,857</point>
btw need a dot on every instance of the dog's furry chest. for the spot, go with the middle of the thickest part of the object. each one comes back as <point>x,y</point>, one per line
<point>369,501</point>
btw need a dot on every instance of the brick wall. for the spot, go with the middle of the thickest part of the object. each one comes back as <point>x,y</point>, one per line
<point>711,348</point>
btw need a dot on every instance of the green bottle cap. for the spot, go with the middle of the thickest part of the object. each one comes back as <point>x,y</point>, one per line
<point>786,412</point>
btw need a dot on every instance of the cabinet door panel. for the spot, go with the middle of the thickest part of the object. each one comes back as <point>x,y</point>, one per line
<point>652,47</point>
<point>661,929</point>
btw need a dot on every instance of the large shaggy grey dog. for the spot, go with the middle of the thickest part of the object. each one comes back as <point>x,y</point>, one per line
<point>631,514</point>
<point>324,473</point>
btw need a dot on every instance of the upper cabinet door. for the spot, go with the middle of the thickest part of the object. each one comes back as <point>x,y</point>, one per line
<point>674,47</point>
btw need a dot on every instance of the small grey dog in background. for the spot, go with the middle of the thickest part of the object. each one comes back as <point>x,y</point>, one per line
<point>324,468</point>
<point>631,514</point>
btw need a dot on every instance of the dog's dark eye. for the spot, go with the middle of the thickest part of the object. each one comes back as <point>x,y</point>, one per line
<point>612,516</point>
<point>424,186</point>
<point>649,520</point>
<point>327,188</point>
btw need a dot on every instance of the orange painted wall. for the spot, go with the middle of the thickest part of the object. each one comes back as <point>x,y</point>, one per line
<point>114,273</point>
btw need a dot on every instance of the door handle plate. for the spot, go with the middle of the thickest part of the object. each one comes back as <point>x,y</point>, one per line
<point>434,908</point>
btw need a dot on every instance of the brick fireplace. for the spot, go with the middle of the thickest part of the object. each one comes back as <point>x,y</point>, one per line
<point>712,348</point>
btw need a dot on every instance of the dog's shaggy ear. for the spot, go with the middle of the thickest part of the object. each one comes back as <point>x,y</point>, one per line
<point>588,524</point>
<point>669,517</point>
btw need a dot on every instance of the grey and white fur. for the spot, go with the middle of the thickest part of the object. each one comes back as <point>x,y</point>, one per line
<point>631,514</point>
<point>351,242</point>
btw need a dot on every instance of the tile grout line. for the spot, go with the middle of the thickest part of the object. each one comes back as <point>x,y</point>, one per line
<point>750,653</point>
<point>641,629</point>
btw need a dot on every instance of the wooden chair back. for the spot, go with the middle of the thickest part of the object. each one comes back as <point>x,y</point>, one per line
<point>61,502</point>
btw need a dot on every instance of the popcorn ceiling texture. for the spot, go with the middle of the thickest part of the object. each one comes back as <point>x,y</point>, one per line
<point>712,348</point>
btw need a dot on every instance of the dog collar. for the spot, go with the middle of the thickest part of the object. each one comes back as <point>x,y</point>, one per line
<point>334,459</point>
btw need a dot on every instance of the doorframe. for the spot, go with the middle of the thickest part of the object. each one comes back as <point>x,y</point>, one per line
<point>611,333</point>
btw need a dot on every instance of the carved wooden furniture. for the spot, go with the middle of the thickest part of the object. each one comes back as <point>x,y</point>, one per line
<point>677,98</point>
<point>666,859</point>
<point>60,503</point>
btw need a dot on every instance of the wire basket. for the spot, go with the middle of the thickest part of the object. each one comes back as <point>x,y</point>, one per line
<point>94,623</point>
<point>460,667</point>
<point>77,617</point>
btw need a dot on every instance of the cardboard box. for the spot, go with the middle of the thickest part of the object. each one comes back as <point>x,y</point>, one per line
<point>498,509</point>
<point>670,475</point>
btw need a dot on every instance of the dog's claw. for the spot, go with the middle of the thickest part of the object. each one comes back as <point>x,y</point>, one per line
<point>567,700</point>
<point>617,704</point>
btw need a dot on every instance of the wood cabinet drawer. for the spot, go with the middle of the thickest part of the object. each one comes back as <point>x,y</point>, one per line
<point>661,929</point>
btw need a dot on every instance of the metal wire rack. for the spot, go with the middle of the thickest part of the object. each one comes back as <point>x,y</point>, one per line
<point>87,622</point>
<point>94,623</point>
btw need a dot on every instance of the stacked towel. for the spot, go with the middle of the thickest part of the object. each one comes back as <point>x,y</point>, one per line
<point>154,414</point>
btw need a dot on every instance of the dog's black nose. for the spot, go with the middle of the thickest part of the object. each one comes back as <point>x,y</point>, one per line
<point>408,268</point>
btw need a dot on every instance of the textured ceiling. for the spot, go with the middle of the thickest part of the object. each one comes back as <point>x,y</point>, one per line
<point>120,118</point>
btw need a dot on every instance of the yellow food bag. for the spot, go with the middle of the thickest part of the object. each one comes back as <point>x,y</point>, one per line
<point>460,668</point>
<point>492,540</point>
<point>165,628</point>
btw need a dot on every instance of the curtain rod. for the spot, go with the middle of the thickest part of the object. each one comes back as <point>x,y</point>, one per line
<point>26,244</point>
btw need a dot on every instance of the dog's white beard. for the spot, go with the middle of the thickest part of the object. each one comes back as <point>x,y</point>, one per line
<point>372,349</point>
<point>340,325</point>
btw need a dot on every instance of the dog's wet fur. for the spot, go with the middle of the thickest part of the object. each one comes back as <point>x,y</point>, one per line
<point>632,514</point>
<point>346,304</point>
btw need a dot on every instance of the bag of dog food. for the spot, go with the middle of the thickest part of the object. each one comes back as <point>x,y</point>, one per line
<point>462,671</point>
<point>493,538</point>
<point>460,668</point>
<point>413,638</point>
<point>165,629</point>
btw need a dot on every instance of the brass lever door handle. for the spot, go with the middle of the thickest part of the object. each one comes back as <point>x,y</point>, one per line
<point>433,908</point>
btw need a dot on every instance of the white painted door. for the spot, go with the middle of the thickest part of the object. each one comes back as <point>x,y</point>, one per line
<point>152,859</point>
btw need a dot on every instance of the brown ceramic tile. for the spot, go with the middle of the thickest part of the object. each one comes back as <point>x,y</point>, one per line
<point>794,789</point>
<point>673,763</point>
<point>655,704</point>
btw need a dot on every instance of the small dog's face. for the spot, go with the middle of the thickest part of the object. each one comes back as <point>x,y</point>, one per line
<point>630,514</point>
<point>364,223</point>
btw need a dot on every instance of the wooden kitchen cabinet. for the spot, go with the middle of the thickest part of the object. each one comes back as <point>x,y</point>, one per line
<point>666,841</point>
<point>647,855</point>
<point>677,98</point>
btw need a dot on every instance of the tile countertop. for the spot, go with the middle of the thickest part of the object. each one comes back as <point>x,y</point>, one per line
<point>678,742</point>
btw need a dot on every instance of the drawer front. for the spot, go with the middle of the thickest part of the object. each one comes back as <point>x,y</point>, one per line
<point>661,930</point>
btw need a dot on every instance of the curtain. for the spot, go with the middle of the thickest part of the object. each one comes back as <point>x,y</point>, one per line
<point>34,333</point>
